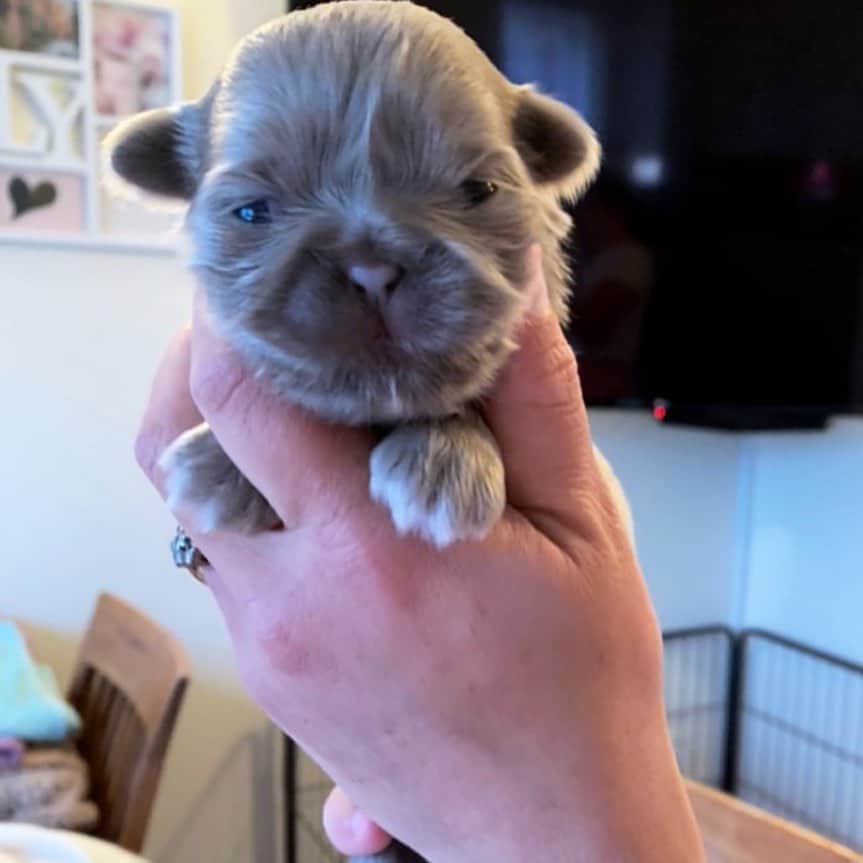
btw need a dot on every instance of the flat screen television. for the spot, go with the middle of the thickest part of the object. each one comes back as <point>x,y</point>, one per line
<point>718,260</point>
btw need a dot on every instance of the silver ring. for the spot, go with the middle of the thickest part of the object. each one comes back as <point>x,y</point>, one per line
<point>186,554</point>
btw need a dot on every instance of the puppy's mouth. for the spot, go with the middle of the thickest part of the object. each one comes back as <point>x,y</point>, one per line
<point>384,386</point>
<point>378,352</point>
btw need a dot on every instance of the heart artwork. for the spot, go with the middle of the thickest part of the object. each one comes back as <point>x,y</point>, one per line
<point>25,197</point>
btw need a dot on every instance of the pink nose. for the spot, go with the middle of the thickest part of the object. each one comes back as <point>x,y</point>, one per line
<point>378,281</point>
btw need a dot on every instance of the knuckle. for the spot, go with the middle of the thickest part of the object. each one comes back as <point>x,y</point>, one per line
<point>587,508</point>
<point>281,644</point>
<point>386,580</point>
<point>553,372</point>
<point>214,385</point>
<point>561,374</point>
<point>380,569</point>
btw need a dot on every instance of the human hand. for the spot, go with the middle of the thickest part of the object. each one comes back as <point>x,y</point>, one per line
<point>482,702</point>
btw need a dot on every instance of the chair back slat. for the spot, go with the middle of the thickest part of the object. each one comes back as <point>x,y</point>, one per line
<point>128,687</point>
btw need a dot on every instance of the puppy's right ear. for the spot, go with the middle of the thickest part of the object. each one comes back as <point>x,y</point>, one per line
<point>560,150</point>
<point>165,151</point>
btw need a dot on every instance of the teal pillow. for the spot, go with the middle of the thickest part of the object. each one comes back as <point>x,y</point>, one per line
<point>31,706</point>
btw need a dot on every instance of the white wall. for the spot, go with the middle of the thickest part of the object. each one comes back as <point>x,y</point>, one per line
<point>685,488</point>
<point>759,530</point>
<point>805,570</point>
<point>80,336</point>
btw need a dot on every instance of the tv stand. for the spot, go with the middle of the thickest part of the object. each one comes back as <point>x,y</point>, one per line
<point>741,418</point>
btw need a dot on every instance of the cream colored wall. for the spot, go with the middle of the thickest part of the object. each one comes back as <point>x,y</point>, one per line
<point>211,29</point>
<point>80,335</point>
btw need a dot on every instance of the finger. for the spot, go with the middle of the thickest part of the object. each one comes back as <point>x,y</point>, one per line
<point>351,832</point>
<point>299,463</point>
<point>537,415</point>
<point>170,411</point>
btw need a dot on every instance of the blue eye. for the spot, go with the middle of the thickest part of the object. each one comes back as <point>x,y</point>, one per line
<point>255,213</point>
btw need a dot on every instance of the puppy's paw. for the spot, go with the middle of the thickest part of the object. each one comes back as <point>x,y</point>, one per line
<point>442,480</point>
<point>202,481</point>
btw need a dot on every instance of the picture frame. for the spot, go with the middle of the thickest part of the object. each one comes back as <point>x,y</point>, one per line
<point>66,80</point>
<point>45,27</point>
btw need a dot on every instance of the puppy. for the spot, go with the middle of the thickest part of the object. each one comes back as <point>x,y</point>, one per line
<point>363,185</point>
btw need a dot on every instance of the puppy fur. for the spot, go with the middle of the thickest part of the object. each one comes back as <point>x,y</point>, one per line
<point>358,125</point>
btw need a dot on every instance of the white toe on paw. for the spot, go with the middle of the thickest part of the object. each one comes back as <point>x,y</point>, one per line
<point>203,484</point>
<point>180,464</point>
<point>442,481</point>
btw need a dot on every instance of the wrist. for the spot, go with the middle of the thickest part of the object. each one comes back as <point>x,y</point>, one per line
<point>615,795</point>
<point>642,817</point>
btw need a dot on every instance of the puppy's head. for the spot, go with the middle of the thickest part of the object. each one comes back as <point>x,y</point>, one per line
<point>363,186</point>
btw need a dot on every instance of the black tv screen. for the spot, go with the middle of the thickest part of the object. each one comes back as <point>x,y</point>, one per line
<point>718,260</point>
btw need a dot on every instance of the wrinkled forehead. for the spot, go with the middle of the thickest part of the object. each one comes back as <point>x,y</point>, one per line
<point>395,98</point>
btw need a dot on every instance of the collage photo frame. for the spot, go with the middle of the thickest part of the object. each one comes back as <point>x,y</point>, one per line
<point>70,70</point>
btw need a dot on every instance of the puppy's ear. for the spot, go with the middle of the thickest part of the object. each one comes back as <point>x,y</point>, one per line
<point>560,150</point>
<point>163,152</point>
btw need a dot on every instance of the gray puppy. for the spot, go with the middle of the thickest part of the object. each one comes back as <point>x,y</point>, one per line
<point>363,185</point>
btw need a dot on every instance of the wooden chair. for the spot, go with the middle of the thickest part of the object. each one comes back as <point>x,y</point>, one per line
<point>128,686</point>
<point>735,832</point>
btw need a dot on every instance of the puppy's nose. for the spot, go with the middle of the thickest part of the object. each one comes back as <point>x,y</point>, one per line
<point>377,281</point>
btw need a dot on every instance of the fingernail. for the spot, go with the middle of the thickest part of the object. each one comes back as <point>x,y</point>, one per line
<point>368,835</point>
<point>359,825</point>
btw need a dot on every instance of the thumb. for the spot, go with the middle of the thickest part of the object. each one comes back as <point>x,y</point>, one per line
<point>350,831</point>
<point>537,415</point>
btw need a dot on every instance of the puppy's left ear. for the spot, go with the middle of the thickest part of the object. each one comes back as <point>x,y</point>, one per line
<point>163,152</point>
<point>560,150</point>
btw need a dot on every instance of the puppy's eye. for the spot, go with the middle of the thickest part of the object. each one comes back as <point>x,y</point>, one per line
<point>477,192</point>
<point>255,213</point>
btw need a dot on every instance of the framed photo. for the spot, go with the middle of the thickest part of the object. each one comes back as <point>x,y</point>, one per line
<point>70,70</point>
<point>132,59</point>
<point>49,27</point>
